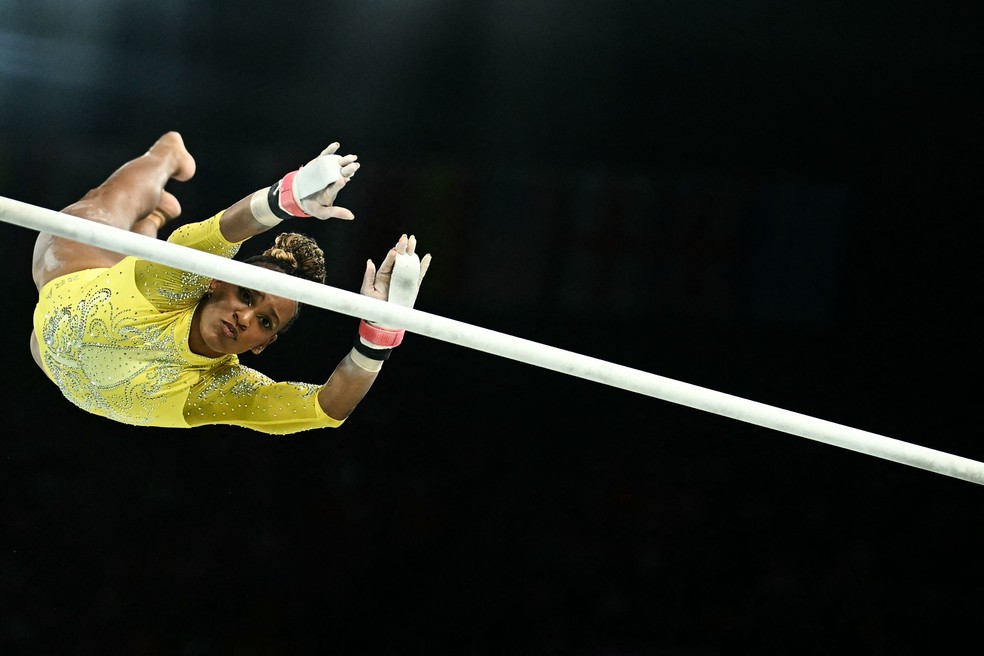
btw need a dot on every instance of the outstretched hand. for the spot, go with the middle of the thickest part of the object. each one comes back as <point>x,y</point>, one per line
<point>317,184</point>
<point>399,276</point>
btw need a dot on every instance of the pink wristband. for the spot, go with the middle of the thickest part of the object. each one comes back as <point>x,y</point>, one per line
<point>286,198</point>
<point>380,336</point>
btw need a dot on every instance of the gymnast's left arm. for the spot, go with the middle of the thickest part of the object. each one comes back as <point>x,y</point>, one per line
<point>308,192</point>
<point>397,281</point>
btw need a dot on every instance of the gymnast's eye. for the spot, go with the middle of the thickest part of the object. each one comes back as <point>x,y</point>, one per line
<point>245,296</point>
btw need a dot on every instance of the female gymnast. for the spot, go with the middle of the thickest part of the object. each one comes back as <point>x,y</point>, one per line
<point>146,344</point>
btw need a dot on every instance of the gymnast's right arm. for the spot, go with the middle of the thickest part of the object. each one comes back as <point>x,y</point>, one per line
<point>302,194</point>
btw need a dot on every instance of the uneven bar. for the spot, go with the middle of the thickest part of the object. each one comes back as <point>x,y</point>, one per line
<point>481,339</point>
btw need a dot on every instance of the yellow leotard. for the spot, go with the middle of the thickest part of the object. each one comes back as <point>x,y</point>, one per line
<point>115,341</point>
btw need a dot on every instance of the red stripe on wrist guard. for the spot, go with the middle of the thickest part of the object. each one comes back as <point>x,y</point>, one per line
<point>286,199</point>
<point>380,336</point>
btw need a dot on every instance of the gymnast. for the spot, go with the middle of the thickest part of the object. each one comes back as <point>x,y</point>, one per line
<point>146,344</point>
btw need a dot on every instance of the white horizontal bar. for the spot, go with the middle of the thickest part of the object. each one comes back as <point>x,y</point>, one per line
<point>489,341</point>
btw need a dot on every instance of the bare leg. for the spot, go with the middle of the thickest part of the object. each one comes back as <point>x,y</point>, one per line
<point>132,198</point>
<point>36,350</point>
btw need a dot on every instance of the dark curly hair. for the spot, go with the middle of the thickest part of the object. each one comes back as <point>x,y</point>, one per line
<point>297,255</point>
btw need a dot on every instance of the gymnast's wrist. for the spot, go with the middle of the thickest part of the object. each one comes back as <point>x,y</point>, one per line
<point>276,203</point>
<point>378,337</point>
<point>265,209</point>
<point>371,362</point>
<point>374,345</point>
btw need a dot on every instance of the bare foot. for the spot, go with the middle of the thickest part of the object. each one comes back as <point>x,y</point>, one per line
<point>168,209</point>
<point>169,205</point>
<point>171,145</point>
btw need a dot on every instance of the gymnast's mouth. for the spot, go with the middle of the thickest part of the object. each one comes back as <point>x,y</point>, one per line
<point>229,330</point>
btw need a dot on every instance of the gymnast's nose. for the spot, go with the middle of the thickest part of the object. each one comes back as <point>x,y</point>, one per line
<point>243,318</point>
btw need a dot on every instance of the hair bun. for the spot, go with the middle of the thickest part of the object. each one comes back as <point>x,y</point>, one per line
<point>300,253</point>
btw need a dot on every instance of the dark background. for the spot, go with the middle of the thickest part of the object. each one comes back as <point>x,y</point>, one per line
<point>777,200</point>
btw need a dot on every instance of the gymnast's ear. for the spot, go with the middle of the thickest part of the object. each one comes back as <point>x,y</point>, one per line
<point>259,349</point>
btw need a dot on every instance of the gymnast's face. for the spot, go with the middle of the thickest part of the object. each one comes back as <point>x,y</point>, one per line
<point>233,319</point>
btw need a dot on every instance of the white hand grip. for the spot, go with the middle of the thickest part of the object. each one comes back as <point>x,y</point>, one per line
<point>316,176</point>
<point>405,280</point>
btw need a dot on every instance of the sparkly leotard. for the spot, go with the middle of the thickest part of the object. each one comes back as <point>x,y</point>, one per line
<point>115,341</point>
